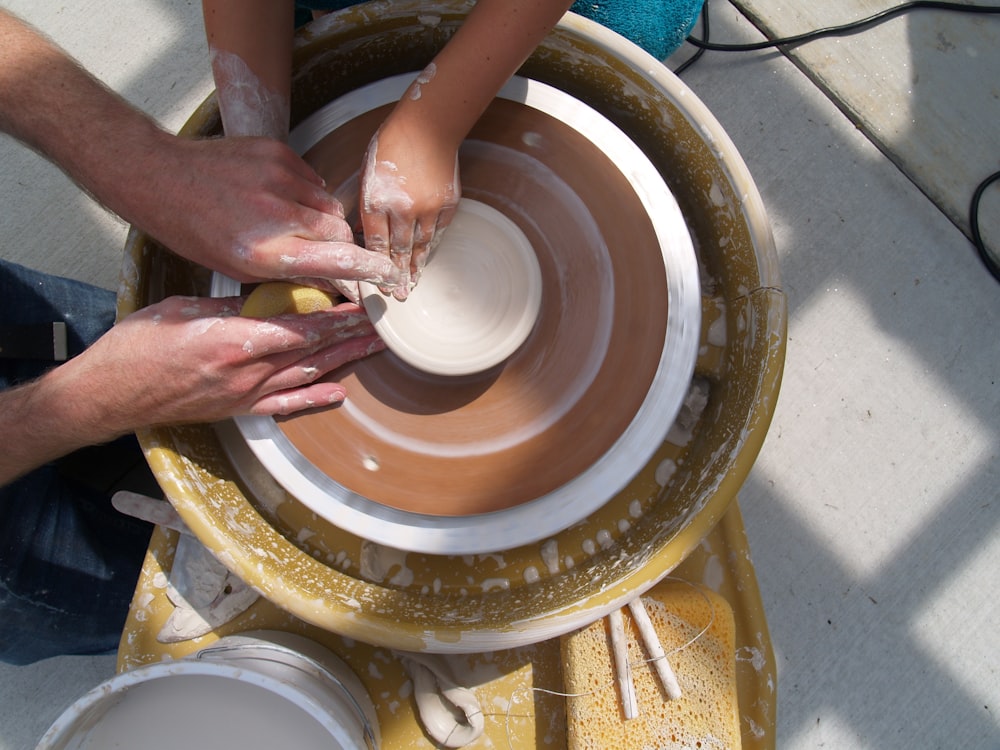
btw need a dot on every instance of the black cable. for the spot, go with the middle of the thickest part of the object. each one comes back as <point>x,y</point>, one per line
<point>700,50</point>
<point>977,239</point>
<point>847,28</point>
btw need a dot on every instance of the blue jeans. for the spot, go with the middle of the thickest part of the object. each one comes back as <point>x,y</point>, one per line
<point>68,561</point>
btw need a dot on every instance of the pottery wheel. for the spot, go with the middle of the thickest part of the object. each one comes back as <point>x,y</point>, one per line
<point>508,456</point>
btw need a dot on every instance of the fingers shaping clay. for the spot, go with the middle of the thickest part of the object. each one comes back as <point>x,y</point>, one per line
<point>477,300</point>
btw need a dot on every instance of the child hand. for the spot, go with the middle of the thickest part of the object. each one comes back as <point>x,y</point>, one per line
<point>409,193</point>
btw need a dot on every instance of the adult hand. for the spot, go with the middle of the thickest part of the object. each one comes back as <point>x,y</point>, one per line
<point>253,210</point>
<point>182,360</point>
<point>190,359</point>
<point>248,207</point>
<point>409,193</point>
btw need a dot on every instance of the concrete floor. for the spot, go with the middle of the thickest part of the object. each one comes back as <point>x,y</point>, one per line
<point>873,509</point>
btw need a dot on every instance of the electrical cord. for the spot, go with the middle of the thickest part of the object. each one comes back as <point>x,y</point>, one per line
<point>844,29</point>
<point>702,45</point>
<point>991,263</point>
<point>700,50</point>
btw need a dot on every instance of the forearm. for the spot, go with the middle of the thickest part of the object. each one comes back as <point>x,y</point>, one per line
<point>250,44</point>
<point>44,420</point>
<point>492,43</point>
<point>54,106</point>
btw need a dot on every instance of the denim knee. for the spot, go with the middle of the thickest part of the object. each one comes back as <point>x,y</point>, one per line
<point>68,567</point>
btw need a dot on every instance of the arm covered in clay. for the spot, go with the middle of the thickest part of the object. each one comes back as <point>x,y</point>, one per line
<point>240,206</point>
<point>410,187</point>
<point>182,360</point>
<point>250,45</point>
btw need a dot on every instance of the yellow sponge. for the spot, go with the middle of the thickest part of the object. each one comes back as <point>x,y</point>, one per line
<point>282,297</point>
<point>707,713</point>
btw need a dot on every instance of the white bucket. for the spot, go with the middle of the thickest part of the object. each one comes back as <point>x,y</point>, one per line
<point>262,690</point>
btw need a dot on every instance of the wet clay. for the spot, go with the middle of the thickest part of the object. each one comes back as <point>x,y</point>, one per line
<point>497,439</point>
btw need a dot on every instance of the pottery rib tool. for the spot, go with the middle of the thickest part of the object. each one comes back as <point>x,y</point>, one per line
<point>145,508</point>
<point>623,670</point>
<point>654,648</point>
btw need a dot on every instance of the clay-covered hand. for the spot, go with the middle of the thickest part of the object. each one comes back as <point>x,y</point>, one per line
<point>409,193</point>
<point>182,360</point>
<point>253,210</point>
<point>190,359</point>
<point>248,207</point>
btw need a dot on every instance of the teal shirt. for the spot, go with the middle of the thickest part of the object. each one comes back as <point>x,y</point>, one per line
<point>658,26</point>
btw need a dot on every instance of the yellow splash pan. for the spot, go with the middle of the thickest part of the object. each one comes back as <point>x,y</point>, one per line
<point>521,689</point>
<point>336,581</point>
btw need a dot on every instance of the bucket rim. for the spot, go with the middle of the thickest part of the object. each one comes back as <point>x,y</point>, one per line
<point>83,713</point>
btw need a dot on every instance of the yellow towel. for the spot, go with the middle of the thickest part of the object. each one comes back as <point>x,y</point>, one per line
<point>705,716</point>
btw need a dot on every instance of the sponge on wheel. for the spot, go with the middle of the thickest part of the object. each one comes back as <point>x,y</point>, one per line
<point>282,297</point>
